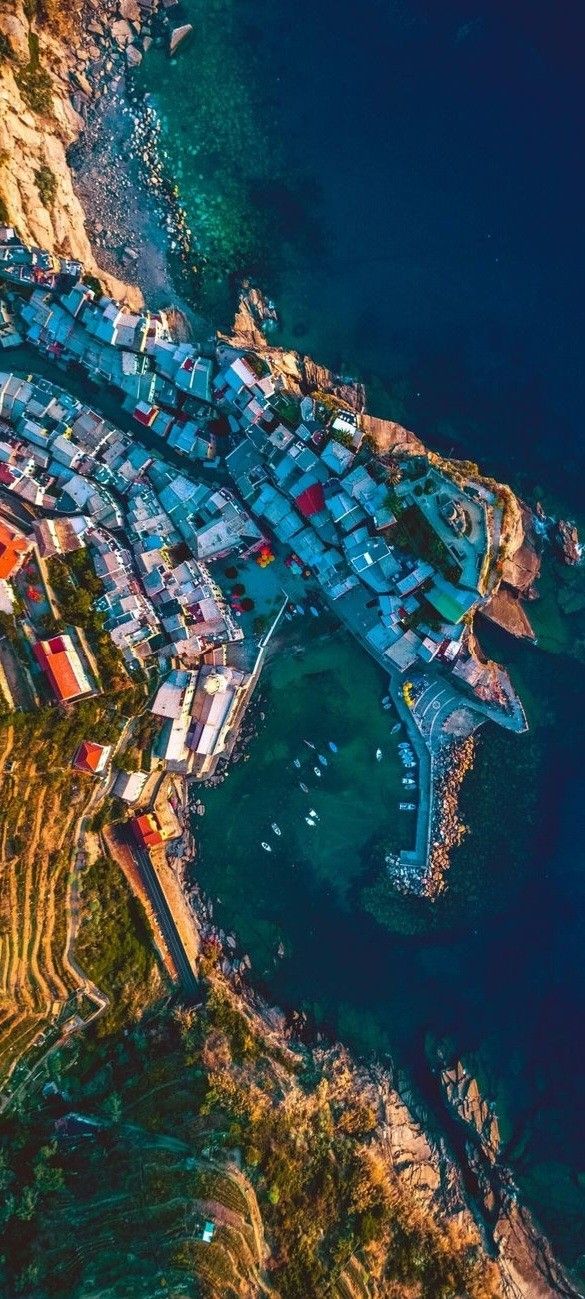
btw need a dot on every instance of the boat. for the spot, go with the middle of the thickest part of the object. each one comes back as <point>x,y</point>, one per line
<point>378,755</point>
<point>296,762</point>
<point>317,771</point>
<point>313,813</point>
<point>408,782</point>
<point>266,847</point>
<point>322,760</point>
<point>314,611</point>
<point>386,700</point>
<point>308,744</point>
<point>396,728</point>
<point>276,828</point>
<point>332,746</point>
<point>407,807</point>
<point>310,822</point>
<point>305,788</point>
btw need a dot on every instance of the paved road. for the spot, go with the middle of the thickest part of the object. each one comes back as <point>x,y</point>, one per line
<point>164,916</point>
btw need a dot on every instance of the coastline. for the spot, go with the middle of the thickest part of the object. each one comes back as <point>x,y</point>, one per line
<point>100,153</point>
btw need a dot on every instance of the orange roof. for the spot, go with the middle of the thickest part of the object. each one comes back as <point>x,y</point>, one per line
<point>53,656</point>
<point>90,756</point>
<point>147,830</point>
<point>12,549</point>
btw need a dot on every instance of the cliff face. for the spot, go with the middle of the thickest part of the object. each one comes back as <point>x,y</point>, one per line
<point>38,123</point>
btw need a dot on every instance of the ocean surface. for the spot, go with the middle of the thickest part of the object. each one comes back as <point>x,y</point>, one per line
<point>406,181</point>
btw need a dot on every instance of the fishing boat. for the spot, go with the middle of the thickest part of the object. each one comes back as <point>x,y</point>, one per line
<point>322,759</point>
<point>407,807</point>
<point>332,746</point>
<point>308,744</point>
<point>305,788</point>
<point>276,828</point>
<point>378,755</point>
<point>310,822</point>
<point>266,847</point>
<point>296,762</point>
<point>313,813</point>
<point>396,728</point>
<point>317,771</point>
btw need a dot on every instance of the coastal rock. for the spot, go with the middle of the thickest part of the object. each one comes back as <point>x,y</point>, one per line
<point>133,56</point>
<point>300,374</point>
<point>389,437</point>
<point>504,608</point>
<point>178,35</point>
<point>566,542</point>
<point>122,32</point>
<point>130,11</point>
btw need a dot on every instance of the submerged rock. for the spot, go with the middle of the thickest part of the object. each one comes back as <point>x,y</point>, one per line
<point>178,35</point>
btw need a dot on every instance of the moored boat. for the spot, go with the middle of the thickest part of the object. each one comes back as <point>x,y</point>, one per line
<point>378,755</point>
<point>276,828</point>
<point>332,746</point>
<point>317,771</point>
<point>266,846</point>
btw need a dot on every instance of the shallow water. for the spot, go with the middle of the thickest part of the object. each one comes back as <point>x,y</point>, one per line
<point>406,181</point>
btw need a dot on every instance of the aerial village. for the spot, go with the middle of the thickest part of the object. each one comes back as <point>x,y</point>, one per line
<point>215,457</point>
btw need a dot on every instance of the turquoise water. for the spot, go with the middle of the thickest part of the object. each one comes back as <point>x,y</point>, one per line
<point>406,181</point>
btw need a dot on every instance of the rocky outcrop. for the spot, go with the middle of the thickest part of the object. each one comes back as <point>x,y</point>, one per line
<point>34,141</point>
<point>565,539</point>
<point>505,610</point>
<point>300,374</point>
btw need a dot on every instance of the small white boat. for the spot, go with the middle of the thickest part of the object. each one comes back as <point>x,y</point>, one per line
<point>396,728</point>
<point>310,822</point>
<point>317,771</point>
<point>332,746</point>
<point>378,755</point>
<point>305,788</point>
<point>313,813</point>
<point>407,807</point>
<point>322,759</point>
<point>276,828</point>
<point>296,762</point>
<point>308,744</point>
<point>266,847</point>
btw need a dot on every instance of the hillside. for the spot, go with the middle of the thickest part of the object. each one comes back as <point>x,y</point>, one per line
<point>43,64</point>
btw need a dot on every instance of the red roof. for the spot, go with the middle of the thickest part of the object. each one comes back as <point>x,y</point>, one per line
<point>90,756</point>
<point>53,657</point>
<point>145,416</point>
<point>146,830</point>
<point>6,476</point>
<point>311,501</point>
<point>12,549</point>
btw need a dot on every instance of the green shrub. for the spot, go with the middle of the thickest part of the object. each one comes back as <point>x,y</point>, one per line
<point>36,88</point>
<point>46,183</point>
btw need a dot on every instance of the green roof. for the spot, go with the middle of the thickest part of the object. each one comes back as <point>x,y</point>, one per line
<point>450,603</point>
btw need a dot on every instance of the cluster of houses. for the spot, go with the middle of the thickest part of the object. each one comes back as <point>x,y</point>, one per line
<point>200,711</point>
<point>34,267</point>
<point>309,484</point>
<point>159,597</point>
<point>301,478</point>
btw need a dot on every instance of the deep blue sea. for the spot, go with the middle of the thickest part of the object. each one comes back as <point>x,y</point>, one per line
<point>406,180</point>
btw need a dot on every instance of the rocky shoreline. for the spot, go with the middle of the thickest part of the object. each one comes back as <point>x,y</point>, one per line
<point>132,243</point>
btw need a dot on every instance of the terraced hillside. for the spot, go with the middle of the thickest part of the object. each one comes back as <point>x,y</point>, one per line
<point>45,810</point>
<point>197,1154</point>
